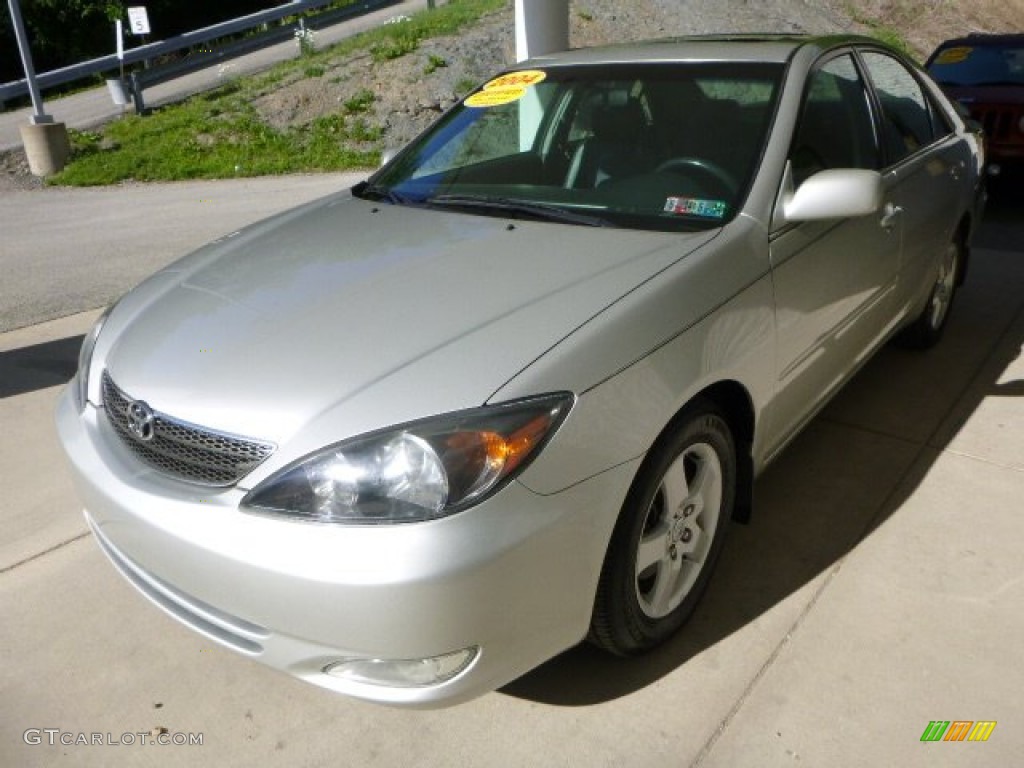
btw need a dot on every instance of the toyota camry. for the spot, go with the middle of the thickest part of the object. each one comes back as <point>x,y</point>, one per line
<point>411,440</point>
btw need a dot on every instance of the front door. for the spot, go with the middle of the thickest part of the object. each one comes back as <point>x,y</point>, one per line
<point>834,279</point>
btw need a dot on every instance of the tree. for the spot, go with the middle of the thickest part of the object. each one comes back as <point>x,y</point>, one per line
<point>63,32</point>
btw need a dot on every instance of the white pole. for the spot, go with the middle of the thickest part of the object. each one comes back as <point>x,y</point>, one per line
<point>39,115</point>
<point>542,26</point>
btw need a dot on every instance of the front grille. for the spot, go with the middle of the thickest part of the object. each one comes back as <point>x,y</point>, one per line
<point>183,450</point>
<point>999,122</point>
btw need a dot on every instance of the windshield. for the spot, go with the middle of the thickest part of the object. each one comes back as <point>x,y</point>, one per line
<point>989,64</point>
<point>660,146</point>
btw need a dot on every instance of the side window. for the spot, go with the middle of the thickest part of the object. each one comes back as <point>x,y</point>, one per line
<point>835,128</point>
<point>907,115</point>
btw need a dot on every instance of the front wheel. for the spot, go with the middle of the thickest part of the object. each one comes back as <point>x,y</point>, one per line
<point>927,328</point>
<point>668,536</point>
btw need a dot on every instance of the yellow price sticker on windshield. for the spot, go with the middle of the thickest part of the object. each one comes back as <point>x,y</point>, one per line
<point>506,88</point>
<point>493,97</point>
<point>523,79</point>
<point>953,55</point>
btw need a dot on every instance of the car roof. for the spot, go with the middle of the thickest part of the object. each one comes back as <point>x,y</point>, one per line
<point>980,38</point>
<point>766,48</point>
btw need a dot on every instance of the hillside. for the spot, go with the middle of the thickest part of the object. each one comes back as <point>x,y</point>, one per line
<point>371,99</point>
<point>410,91</point>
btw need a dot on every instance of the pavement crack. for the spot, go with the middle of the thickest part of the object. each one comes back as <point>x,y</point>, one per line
<point>763,669</point>
<point>54,548</point>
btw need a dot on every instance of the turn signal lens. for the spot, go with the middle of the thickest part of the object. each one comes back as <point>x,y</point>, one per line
<point>85,359</point>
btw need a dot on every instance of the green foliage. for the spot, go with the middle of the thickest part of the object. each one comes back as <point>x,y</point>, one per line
<point>306,40</point>
<point>434,63</point>
<point>401,41</point>
<point>892,37</point>
<point>205,139</point>
<point>884,33</point>
<point>221,134</point>
<point>464,86</point>
<point>84,142</point>
<point>64,32</point>
<point>361,102</point>
<point>360,130</point>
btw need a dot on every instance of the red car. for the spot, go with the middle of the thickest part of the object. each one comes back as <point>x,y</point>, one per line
<point>985,74</point>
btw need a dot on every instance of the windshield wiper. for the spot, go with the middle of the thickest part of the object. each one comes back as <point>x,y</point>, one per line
<point>380,192</point>
<point>533,209</point>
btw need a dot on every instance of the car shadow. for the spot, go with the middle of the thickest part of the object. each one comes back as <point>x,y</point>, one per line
<point>852,469</point>
<point>39,366</point>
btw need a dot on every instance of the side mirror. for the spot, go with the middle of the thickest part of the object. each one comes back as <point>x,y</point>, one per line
<point>841,193</point>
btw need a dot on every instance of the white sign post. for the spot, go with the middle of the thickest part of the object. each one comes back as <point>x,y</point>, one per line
<point>138,20</point>
<point>116,86</point>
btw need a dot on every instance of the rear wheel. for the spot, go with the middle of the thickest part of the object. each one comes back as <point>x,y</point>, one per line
<point>927,329</point>
<point>668,535</point>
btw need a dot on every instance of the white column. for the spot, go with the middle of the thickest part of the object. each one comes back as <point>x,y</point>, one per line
<point>542,26</point>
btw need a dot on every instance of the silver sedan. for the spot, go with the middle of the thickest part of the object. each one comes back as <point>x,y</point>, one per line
<point>411,440</point>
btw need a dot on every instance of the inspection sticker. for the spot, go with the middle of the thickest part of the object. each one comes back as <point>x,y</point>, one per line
<point>506,88</point>
<point>711,209</point>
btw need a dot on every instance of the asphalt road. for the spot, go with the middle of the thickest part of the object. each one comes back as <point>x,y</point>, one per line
<point>878,588</point>
<point>65,250</point>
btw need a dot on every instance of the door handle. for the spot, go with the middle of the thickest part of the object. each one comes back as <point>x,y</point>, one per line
<point>889,216</point>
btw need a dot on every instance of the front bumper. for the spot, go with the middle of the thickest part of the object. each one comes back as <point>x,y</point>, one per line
<point>514,577</point>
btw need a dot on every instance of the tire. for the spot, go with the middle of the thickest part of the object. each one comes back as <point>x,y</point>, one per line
<point>926,329</point>
<point>668,535</point>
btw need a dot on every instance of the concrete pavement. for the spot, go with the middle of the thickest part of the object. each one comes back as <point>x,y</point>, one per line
<point>90,108</point>
<point>123,233</point>
<point>878,588</point>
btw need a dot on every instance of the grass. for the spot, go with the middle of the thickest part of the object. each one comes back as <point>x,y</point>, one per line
<point>434,63</point>
<point>360,103</point>
<point>221,135</point>
<point>206,138</point>
<point>885,33</point>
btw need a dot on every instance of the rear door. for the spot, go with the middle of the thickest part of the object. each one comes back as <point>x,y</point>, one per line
<point>928,167</point>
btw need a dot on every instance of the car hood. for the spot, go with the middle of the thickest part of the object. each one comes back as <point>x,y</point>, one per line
<point>386,313</point>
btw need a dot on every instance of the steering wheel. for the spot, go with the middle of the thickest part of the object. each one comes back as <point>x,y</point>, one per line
<point>710,170</point>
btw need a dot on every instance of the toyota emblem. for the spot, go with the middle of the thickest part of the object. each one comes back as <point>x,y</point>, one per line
<point>141,421</point>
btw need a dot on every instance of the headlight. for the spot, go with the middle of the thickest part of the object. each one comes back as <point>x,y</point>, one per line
<point>85,359</point>
<point>418,471</point>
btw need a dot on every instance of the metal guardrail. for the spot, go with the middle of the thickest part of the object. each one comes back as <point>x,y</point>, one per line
<point>141,79</point>
<point>198,37</point>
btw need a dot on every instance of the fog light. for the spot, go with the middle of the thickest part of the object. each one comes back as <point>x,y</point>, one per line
<point>404,673</point>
